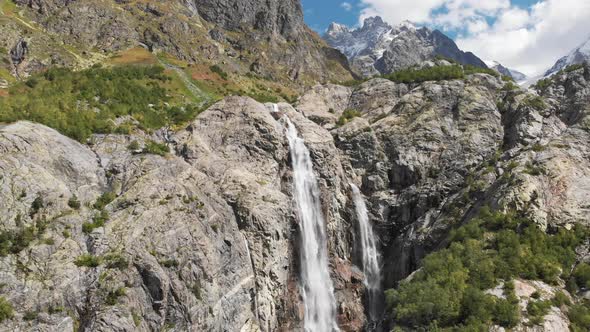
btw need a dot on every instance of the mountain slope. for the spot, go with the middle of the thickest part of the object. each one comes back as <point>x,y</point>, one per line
<point>378,48</point>
<point>265,38</point>
<point>515,74</point>
<point>577,56</point>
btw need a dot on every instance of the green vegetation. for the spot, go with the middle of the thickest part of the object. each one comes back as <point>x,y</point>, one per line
<point>104,200</point>
<point>116,261</point>
<point>74,203</point>
<point>30,315</point>
<point>81,103</point>
<point>543,84</point>
<point>113,296</point>
<point>88,260</point>
<point>470,70</point>
<point>572,68</point>
<point>579,316</point>
<point>535,102</point>
<point>37,205</point>
<point>449,288</point>
<point>6,310</point>
<point>537,310</point>
<point>98,220</point>
<point>133,146</point>
<point>582,276</point>
<point>346,116</point>
<point>13,242</point>
<point>217,70</point>
<point>156,148</point>
<point>437,73</point>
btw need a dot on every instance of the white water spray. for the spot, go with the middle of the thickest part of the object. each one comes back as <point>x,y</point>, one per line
<point>317,288</point>
<point>370,255</point>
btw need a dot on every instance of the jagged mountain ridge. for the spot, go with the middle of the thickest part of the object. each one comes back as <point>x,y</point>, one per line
<point>515,74</point>
<point>266,38</point>
<point>577,56</point>
<point>379,48</point>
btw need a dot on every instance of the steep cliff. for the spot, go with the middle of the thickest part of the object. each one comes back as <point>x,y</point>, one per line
<point>117,234</point>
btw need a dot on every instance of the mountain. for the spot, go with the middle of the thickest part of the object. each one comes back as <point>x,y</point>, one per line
<point>577,56</point>
<point>154,178</point>
<point>265,38</point>
<point>378,48</point>
<point>516,75</point>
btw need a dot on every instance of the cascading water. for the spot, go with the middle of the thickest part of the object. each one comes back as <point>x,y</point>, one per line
<point>317,288</point>
<point>370,256</point>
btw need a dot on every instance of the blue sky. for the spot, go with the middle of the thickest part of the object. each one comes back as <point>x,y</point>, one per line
<point>527,35</point>
<point>320,13</point>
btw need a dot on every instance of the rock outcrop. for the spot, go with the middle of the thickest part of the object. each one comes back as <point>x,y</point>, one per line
<point>200,240</point>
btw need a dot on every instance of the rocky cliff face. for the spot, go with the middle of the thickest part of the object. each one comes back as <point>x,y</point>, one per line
<point>103,237</point>
<point>378,48</point>
<point>244,35</point>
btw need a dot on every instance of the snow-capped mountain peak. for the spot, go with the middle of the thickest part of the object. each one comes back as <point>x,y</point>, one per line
<point>515,74</point>
<point>380,48</point>
<point>579,55</point>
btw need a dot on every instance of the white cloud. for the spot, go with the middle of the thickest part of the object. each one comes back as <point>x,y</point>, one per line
<point>527,39</point>
<point>346,6</point>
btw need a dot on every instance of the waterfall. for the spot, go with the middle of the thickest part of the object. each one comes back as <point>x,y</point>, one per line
<point>370,256</point>
<point>316,285</point>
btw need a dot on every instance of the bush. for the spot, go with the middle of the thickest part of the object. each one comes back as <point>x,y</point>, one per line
<point>346,116</point>
<point>437,73</point>
<point>537,310</point>
<point>104,200</point>
<point>133,146</point>
<point>216,69</point>
<point>572,68</point>
<point>470,70</point>
<point>113,296</point>
<point>87,260</point>
<point>98,220</point>
<point>582,275</point>
<point>6,310</point>
<point>74,203</point>
<point>579,316</point>
<point>37,205</point>
<point>560,299</point>
<point>80,103</point>
<point>449,288</point>
<point>159,149</point>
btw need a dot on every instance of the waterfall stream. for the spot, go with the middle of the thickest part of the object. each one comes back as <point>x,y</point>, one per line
<point>370,256</point>
<point>317,288</point>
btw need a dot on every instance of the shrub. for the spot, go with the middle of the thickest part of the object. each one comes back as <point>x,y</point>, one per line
<point>113,296</point>
<point>470,70</point>
<point>582,275</point>
<point>74,203</point>
<point>133,146</point>
<point>80,103</point>
<point>6,310</point>
<point>115,261</point>
<point>572,68</point>
<point>437,73</point>
<point>37,205</point>
<point>346,116</point>
<point>30,315</point>
<point>536,103</point>
<point>98,220</point>
<point>216,69</point>
<point>87,260</point>
<point>537,310</point>
<point>104,200</point>
<point>579,316</point>
<point>159,149</point>
<point>560,299</point>
<point>449,288</point>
